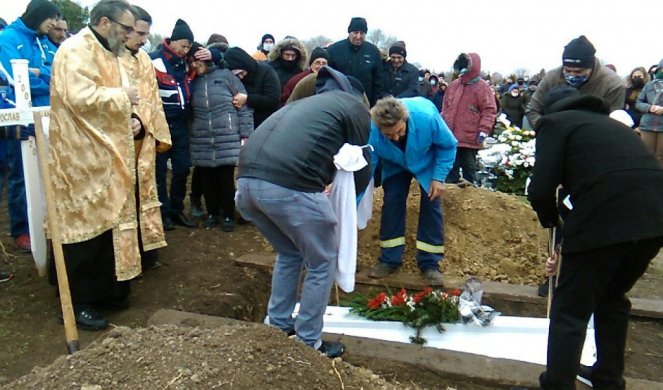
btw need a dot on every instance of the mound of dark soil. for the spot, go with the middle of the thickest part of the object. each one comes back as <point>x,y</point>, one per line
<point>170,357</point>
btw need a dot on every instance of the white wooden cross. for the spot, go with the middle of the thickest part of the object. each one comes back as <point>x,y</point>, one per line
<point>23,115</point>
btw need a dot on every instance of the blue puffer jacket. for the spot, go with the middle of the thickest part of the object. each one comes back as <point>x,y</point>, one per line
<point>430,150</point>
<point>218,127</point>
<point>19,41</point>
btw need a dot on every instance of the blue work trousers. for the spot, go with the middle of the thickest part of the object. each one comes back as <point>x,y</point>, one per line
<point>430,230</point>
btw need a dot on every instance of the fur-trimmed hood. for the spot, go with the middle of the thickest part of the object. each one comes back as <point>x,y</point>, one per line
<point>275,53</point>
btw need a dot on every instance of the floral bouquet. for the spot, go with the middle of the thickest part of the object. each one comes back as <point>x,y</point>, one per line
<point>517,161</point>
<point>426,308</point>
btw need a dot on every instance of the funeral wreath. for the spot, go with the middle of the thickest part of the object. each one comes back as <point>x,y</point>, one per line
<point>419,310</point>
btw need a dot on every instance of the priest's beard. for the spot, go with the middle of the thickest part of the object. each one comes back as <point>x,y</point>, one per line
<point>115,43</point>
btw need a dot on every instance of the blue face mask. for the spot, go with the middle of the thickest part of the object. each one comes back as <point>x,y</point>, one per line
<point>575,81</point>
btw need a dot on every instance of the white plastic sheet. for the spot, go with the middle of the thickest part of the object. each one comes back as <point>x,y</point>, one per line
<point>516,338</point>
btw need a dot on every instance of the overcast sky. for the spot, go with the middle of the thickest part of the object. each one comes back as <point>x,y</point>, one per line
<point>507,34</point>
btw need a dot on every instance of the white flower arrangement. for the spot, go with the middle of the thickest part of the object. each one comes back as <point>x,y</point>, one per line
<point>516,148</point>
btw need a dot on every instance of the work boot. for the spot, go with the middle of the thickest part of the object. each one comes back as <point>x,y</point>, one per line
<point>433,277</point>
<point>381,270</point>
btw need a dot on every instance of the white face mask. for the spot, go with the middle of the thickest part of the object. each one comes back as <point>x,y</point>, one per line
<point>267,46</point>
<point>515,93</point>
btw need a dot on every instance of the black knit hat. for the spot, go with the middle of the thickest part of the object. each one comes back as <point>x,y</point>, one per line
<point>181,31</point>
<point>398,50</point>
<point>358,24</point>
<point>318,52</point>
<point>267,36</point>
<point>579,53</point>
<point>37,12</point>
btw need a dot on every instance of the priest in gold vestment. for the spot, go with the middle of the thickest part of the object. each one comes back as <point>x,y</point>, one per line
<point>155,138</point>
<point>93,164</point>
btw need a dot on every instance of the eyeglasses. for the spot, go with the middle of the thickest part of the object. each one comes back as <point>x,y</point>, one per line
<point>127,29</point>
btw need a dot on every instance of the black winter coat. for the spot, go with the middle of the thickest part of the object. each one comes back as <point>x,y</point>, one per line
<point>361,62</point>
<point>514,108</point>
<point>402,82</point>
<point>614,180</point>
<point>295,147</point>
<point>262,85</point>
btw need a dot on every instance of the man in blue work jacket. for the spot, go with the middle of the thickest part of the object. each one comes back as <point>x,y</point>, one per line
<point>411,140</point>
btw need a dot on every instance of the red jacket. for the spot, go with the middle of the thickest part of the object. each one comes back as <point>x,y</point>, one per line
<point>290,85</point>
<point>469,106</point>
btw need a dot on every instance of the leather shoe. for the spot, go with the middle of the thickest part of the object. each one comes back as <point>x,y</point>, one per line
<point>332,349</point>
<point>182,220</point>
<point>87,318</point>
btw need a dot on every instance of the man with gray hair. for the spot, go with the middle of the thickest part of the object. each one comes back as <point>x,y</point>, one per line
<point>93,164</point>
<point>360,59</point>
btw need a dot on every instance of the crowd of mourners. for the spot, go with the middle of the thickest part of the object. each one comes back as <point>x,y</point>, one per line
<point>310,130</point>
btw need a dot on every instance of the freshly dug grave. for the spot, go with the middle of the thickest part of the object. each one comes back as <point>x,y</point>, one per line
<point>491,235</point>
<point>192,358</point>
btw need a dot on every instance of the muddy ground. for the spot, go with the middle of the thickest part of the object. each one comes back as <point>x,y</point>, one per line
<point>491,235</point>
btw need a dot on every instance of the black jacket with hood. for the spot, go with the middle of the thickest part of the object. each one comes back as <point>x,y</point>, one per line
<point>614,181</point>
<point>261,82</point>
<point>284,69</point>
